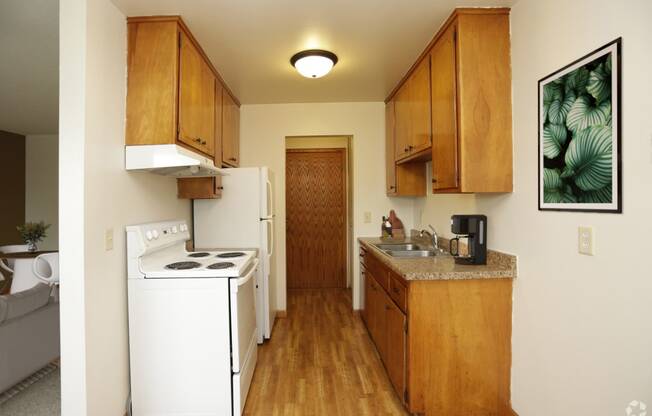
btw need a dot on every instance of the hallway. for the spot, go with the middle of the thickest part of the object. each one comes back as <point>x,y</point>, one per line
<point>320,361</point>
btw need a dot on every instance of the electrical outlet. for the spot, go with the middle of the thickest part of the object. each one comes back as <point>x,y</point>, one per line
<point>367,217</point>
<point>108,239</point>
<point>585,240</point>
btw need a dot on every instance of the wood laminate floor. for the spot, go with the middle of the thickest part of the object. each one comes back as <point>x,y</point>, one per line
<point>320,361</point>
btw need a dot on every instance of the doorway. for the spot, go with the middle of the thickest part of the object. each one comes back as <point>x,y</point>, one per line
<point>317,199</point>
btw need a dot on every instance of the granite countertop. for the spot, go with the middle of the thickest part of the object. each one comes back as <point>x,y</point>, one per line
<point>442,267</point>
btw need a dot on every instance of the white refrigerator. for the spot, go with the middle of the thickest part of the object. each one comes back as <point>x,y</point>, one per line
<point>243,218</point>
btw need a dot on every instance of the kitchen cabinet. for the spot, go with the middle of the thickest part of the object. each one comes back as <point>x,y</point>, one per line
<point>468,92</point>
<point>175,96</point>
<point>445,344</point>
<point>196,99</point>
<point>207,188</point>
<point>444,112</point>
<point>406,179</point>
<point>231,132</point>
<point>386,322</point>
<point>412,107</point>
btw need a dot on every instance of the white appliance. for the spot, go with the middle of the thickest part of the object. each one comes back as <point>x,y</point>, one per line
<point>169,160</point>
<point>243,217</point>
<point>192,324</point>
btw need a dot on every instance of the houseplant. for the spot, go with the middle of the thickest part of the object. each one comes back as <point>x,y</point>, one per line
<point>32,233</point>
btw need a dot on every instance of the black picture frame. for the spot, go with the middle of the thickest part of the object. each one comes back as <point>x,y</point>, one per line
<point>552,166</point>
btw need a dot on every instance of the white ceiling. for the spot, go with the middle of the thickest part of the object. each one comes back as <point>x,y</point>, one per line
<point>251,41</point>
<point>29,66</point>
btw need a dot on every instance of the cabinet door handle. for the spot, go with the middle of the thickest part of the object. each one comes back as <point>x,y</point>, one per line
<point>203,142</point>
<point>220,188</point>
<point>232,159</point>
<point>392,187</point>
<point>198,140</point>
<point>411,147</point>
<point>434,180</point>
<point>405,149</point>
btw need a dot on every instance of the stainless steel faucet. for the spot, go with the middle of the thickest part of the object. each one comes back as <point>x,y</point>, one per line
<point>434,238</point>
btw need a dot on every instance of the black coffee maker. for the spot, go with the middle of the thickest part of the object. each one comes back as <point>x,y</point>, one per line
<point>474,229</point>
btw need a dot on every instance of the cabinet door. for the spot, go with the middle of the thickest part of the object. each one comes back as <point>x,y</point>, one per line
<point>395,353</point>
<point>196,99</point>
<point>444,112</point>
<point>390,159</point>
<point>230,131</point>
<point>402,120</point>
<point>419,107</point>
<point>382,304</point>
<point>368,298</point>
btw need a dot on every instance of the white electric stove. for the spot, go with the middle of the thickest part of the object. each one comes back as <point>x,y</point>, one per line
<point>192,324</point>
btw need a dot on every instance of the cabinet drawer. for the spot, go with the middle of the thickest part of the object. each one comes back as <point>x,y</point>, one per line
<point>378,270</point>
<point>398,292</point>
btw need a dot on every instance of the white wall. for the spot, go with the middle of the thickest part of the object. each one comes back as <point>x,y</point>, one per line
<point>263,132</point>
<point>108,198</point>
<point>582,333</point>
<point>42,185</point>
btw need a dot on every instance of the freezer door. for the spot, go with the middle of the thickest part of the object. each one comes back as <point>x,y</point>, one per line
<point>234,219</point>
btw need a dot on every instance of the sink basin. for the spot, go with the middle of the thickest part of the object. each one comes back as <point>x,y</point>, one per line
<point>406,250</point>
<point>411,253</point>
<point>400,247</point>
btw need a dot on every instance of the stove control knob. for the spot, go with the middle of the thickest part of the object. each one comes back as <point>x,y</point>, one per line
<point>149,235</point>
<point>155,234</point>
<point>175,230</point>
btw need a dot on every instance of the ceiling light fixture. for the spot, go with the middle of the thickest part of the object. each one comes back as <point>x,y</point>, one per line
<point>314,63</point>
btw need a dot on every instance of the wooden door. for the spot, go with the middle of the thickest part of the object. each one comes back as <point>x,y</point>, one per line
<point>419,107</point>
<point>390,157</point>
<point>403,125</point>
<point>395,352</point>
<point>230,131</point>
<point>196,99</point>
<point>316,218</point>
<point>444,112</point>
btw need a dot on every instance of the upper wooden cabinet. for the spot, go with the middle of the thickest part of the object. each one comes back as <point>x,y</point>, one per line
<point>444,112</point>
<point>407,179</point>
<point>230,131</point>
<point>468,90</point>
<point>196,98</point>
<point>412,102</point>
<point>176,96</point>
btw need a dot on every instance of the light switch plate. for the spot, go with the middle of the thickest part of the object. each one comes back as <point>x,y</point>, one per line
<point>367,217</point>
<point>108,239</point>
<point>585,240</point>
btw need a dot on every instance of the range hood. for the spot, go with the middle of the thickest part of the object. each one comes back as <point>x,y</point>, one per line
<point>169,160</point>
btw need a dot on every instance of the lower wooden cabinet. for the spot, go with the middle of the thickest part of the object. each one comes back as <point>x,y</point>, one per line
<point>446,344</point>
<point>387,325</point>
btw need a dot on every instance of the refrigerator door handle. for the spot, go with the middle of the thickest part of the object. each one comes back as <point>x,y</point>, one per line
<point>271,238</point>
<point>270,200</point>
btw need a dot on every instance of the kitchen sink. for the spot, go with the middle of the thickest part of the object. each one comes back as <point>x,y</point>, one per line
<point>401,247</point>
<point>407,250</point>
<point>411,253</point>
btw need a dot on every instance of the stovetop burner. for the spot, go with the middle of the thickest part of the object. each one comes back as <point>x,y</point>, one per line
<point>199,254</point>
<point>183,265</point>
<point>231,255</point>
<point>220,265</point>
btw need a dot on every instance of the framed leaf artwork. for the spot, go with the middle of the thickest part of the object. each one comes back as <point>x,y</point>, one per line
<point>579,134</point>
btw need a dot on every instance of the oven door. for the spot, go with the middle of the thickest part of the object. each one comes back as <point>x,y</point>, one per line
<point>243,334</point>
